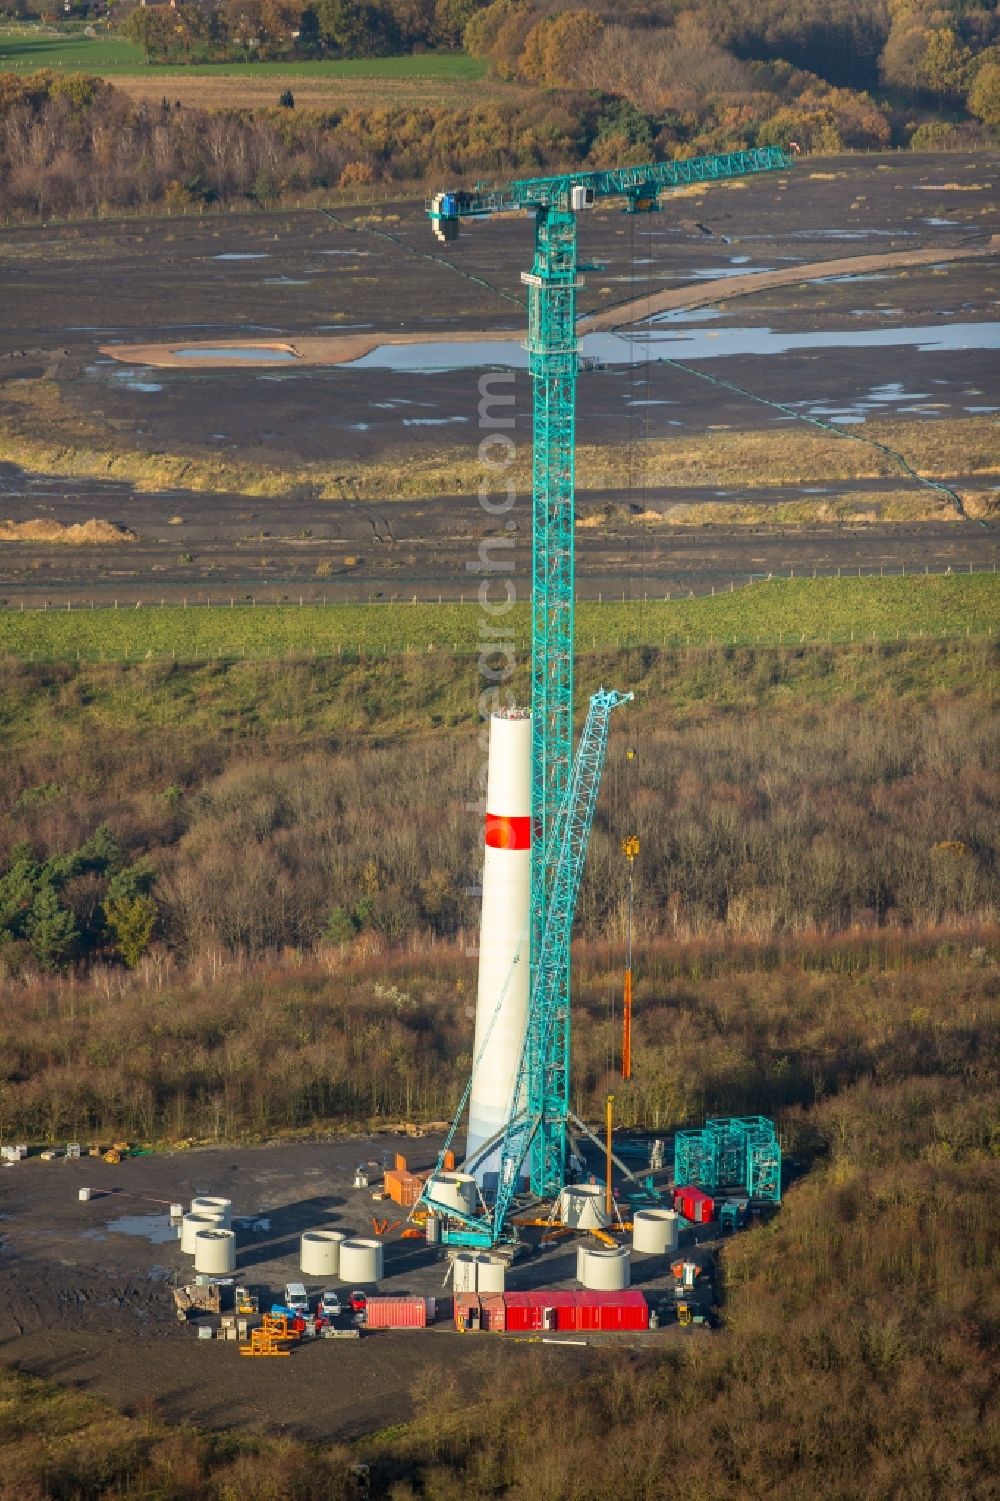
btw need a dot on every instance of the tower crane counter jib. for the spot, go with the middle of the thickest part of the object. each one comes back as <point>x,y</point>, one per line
<point>551,343</point>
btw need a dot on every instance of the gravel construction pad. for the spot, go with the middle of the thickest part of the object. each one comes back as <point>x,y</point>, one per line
<point>88,1302</point>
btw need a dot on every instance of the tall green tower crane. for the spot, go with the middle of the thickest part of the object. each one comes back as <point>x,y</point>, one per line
<point>552,285</point>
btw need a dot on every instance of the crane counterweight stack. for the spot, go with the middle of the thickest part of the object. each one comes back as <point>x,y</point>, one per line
<point>551,343</point>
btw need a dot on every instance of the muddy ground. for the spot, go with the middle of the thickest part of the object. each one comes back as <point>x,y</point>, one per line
<point>74,288</point>
<point>239,547</point>
<point>85,1288</point>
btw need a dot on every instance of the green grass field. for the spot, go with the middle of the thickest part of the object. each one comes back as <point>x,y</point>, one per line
<point>784,612</point>
<point>24,49</point>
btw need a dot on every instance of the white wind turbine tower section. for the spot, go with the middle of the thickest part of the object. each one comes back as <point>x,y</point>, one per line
<point>504,953</point>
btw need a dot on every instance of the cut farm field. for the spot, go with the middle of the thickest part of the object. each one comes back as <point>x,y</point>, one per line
<point>316,87</point>
<point>25,48</point>
<point>426,79</point>
<point>772,613</point>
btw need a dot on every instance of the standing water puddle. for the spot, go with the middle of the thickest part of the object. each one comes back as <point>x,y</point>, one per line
<point>156,1228</point>
<point>879,397</point>
<point>249,354</point>
<point>687,344</point>
<point>738,268</point>
<point>431,421</point>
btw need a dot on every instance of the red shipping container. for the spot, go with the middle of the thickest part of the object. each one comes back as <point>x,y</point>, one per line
<point>568,1312</point>
<point>544,1312</point>
<point>518,1312</point>
<point>612,1311</point>
<point>396,1313</point>
<point>559,1311</point>
<point>588,1310</point>
<point>625,1310</point>
<point>466,1304</point>
<point>493,1313</point>
<point>694,1205</point>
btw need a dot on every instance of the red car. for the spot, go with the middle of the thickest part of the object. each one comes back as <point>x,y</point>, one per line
<point>358,1302</point>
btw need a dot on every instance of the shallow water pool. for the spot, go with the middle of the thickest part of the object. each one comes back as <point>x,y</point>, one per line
<point>683,344</point>
<point>256,354</point>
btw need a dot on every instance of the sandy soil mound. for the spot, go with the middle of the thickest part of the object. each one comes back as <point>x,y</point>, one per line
<point>79,534</point>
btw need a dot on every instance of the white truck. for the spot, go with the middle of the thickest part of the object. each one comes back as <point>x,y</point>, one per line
<point>296,1298</point>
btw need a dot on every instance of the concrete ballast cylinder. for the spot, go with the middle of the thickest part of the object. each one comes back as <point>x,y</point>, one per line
<point>504,932</point>
<point>319,1252</point>
<point>464,1271</point>
<point>457,1190</point>
<point>654,1231</point>
<point>215,1252</point>
<point>473,1273</point>
<point>490,1275</point>
<point>209,1204</point>
<point>192,1223</point>
<point>361,1261</point>
<point>582,1207</point>
<point>604,1271</point>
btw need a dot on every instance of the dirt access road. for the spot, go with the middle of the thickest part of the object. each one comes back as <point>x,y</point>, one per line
<point>283,277</point>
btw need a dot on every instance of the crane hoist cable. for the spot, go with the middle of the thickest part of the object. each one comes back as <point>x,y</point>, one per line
<point>519,956</point>
<point>630,849</point>
<point>630,842</point>
<point>423,255</point>
<point>829,427</point>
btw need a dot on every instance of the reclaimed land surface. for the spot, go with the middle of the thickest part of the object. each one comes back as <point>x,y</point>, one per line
<point>343,348</point>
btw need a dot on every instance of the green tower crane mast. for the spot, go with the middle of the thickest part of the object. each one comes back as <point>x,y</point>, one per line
<point>552,285</point>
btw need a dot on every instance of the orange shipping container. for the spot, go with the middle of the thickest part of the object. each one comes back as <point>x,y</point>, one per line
<point>403,1188</point>
<point>493,1313</point>
<point>467,1310</point>
<point>396,1313</point>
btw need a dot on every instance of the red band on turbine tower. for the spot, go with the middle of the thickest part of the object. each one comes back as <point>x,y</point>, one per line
<point>508,833</point>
